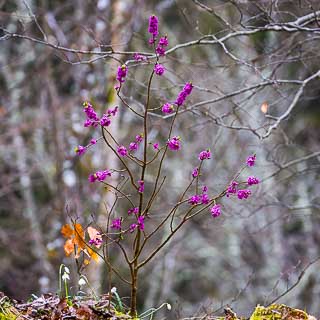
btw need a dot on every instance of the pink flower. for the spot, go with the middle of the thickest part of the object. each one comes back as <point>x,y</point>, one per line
<point>122,73</point>
<point>92,177</point>
<point>195,199</point>
<point>97,242</point>
<point>133,146</point>
<point>116,224</point>
<point>89,123</point>
<point>184,93</point>
<point>105,121</point>
<point>205,198</point>
<point>133,227</point>
<point>112,112</point>
<point>215,210</point>
<point>159,69</point>
<point>141,186</point>
<point>141,222</point>
<point>139,138</point>
<point>243,194</point>
<point>79,150</point>
<point>134,210</point>
<point>232,188</point>
<point>139,57</point>
<point>160,50</point>
<point>252,180</point>
<point>153,28</point>
<point>251,160</point>
<point>203,155</point>
<point>122,150</point>
<point>195,172</point>
<point>188,88</point>
<point>174,143</point>
<point>93,141</point>
<point>163,42</point>
<point>167,108</point>
<point>99,175</point>
<point>92,118</point>
<point>156,146</point>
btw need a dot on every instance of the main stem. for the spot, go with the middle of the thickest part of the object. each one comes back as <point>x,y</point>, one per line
<point>135,268</point>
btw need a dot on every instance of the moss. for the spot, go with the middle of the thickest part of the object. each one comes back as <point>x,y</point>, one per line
<point>7,316</point>
<point>276,311</point>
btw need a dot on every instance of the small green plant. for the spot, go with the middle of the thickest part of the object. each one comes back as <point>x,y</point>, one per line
<point>64,276</point>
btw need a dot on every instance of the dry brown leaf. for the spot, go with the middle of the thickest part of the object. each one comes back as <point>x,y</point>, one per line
<point>264,107</point>
<point>94,234</point>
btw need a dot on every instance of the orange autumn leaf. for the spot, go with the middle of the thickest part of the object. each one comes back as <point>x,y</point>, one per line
<point>93,255</point>
<point>67,231</point>
<point>69,247</point>
<point>264,107</point>
<point>75,241</point>
<point>79,236</point>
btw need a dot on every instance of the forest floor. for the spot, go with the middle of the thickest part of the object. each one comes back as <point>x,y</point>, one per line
<point>52,307</point>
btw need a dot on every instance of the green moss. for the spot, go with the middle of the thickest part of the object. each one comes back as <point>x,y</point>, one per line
<point>276,311</point>
<point>7,316</point>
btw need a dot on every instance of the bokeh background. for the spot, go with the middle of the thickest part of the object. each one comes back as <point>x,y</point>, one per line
<point>258,249</point>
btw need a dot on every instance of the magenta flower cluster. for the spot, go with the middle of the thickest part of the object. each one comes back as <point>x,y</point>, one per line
<point>139,224</point>
<point>252,180</point>
<point>154,31</point>
<point>153,28</point>
<point>161,47</point>
<point>93,120</point>
<point>167,108</point>
<point>251,160</point>
<point>187,89</point>
<point>200,198</point>
<point>243,193</point>
<point>133,146</point>
<point>159,69</point>
<point>141,186</point>
<point>215,210</point>
<point>79,150</point>
<point>99,175</point>
<point>203,198</point>
<point>134,210</point>
<point>139,57</point>
<point>122,73</point>
<point>195,172</point>
<point>122,151</point>
<point>95,242</point>
<point>116,224</point>
<point>203,155</point>
<point>174,143</point>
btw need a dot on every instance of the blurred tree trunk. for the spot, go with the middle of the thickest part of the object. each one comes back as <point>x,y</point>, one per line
<point>38,248</point>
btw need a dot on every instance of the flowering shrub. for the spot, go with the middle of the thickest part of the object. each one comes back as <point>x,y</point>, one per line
<point>136,225</point>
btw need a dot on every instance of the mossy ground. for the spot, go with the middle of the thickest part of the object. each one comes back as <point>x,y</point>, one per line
<point>51,307</point>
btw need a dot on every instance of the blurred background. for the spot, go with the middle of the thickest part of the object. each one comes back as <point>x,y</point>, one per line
<point>256,90</point>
